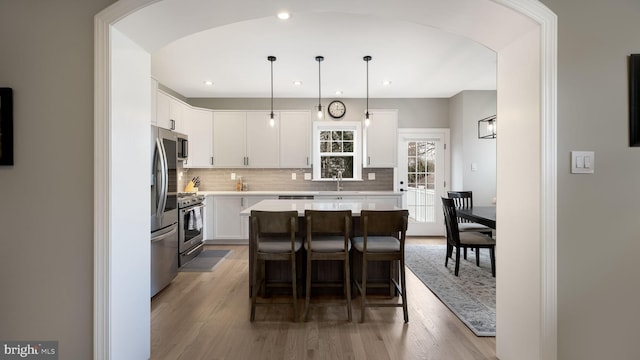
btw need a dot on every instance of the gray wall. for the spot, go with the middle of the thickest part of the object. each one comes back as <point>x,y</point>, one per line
<point>598,227</point>
<point>466,108</point>
<point>418,113</point>
<point>46,211</point>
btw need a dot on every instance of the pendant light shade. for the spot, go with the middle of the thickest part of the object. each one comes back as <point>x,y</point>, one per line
<point>367,121</point>
<point>272,120</point>
<point>319,108</point>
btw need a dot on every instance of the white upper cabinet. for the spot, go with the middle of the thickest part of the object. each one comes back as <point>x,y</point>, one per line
<point>229,147</point>
<point>380,139</point>
<point>199,128</point>
<point>262,140</point>
<point>170,112</point>
<point>245,139</point>
<point>295,136</point>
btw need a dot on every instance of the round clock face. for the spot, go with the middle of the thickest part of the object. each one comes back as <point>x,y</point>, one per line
<point>337,109</point>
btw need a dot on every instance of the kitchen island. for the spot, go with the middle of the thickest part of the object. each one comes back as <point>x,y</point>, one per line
<point>224,223</point>
<point>378,272</point>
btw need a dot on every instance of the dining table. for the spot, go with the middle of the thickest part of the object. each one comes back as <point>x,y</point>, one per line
<point>485,215</point>
<point>378,272</point>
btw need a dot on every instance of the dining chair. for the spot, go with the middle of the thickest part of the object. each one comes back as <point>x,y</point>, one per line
<point>328,235</point>
<point>273,236</point>
<point>464,200</point>
<point>383,238</point>
<point>462,240</point>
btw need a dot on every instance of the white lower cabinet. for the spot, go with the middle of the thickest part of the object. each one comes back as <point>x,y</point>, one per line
<point>227,222</point>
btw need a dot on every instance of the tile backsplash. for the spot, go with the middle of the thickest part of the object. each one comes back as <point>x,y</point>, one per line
<point>281,179</point>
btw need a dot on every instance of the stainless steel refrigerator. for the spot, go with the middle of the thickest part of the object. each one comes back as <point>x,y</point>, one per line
<point>164,208</point>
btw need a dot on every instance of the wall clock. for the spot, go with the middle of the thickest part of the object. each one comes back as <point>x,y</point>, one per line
<point>337,109</point>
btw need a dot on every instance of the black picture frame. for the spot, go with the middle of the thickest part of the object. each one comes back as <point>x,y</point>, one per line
<point>634,100</point>
<point>6,126</point>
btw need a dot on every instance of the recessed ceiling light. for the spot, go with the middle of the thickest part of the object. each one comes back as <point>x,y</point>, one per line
<point>284,15</point>
<point>297,83</point>
<point>208,82</point>
<point>338,92</point>
<point>386,82</point>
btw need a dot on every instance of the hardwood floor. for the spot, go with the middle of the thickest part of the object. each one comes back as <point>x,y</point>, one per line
<point>205,315</point>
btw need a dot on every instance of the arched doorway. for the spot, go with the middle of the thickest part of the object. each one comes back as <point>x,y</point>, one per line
<point>526,98</point>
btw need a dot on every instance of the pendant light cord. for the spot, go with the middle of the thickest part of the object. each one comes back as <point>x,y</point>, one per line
<point>319,59</point>
<point>271,59</point>
<point>367,59</point>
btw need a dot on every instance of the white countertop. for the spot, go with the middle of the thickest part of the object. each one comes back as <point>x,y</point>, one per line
<point>303,193</point>
<point>301,205</point>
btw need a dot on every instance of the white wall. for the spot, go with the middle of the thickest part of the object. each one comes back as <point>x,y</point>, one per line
<point>598,215</point>
<point>46,198</point>
<point>130,206</point>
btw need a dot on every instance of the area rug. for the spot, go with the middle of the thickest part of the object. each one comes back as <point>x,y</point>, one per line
<point>205,261</point>
<point>470,296</point>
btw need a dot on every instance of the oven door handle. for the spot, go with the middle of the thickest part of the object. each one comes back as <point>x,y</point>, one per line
<point>187,209</point>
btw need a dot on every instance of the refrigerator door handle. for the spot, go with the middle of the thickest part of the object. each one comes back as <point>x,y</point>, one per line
<point>165,235</point>
<point>164,175</point>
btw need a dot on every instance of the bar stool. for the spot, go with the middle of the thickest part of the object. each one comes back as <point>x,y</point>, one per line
<point>328,239</point>
<point>273,236</point>
<point>383,237</point>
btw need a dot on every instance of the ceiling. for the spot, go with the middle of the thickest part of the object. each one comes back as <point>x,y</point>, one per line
<point>423,47</point>
<point>418,60</point>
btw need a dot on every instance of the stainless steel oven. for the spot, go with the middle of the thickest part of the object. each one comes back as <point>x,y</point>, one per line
<point>190,226</point>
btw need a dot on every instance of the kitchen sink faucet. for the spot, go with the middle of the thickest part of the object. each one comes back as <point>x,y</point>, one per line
<point>338,180</point>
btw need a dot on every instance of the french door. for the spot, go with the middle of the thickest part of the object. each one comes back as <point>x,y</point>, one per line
<point>423,174</point>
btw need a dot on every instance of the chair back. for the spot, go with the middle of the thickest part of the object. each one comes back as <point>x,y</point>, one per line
<point>461,200</point>
<point>328,222</point>
<point>449,209</point>
<point>384,223</point>
<point>273,223</point>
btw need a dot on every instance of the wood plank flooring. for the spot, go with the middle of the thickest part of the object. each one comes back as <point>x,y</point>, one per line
<point>205,315</point>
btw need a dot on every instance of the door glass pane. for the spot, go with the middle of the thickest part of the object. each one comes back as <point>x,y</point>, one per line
<point>421,171</point>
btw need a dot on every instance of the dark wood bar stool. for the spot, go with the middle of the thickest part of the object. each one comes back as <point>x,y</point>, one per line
<point>383,237</point>
<point>273,236</point>
<point>328,235</point>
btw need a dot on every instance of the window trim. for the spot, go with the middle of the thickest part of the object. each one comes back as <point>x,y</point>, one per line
<point>354,126</point>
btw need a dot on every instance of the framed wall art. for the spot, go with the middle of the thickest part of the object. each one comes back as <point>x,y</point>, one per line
<point>634,100</point>
<point>6,126</point>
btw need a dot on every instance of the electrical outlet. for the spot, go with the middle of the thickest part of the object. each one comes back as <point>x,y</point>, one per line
<point>307,176</point>
<point>233,176</point>
<point>293,176</point>
<point>371,176</point>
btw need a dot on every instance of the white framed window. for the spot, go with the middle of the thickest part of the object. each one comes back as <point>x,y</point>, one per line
<point>337,147</point>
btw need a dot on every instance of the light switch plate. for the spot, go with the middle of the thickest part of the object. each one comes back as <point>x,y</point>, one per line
<point>307,176</point>
<point>474,167</point>
<point>371,176</point>
<point>582,162</point>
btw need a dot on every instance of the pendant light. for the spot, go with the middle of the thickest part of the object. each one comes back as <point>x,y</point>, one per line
<point>367,121</point>
<point>272,120</point>
<point>320,113</point>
